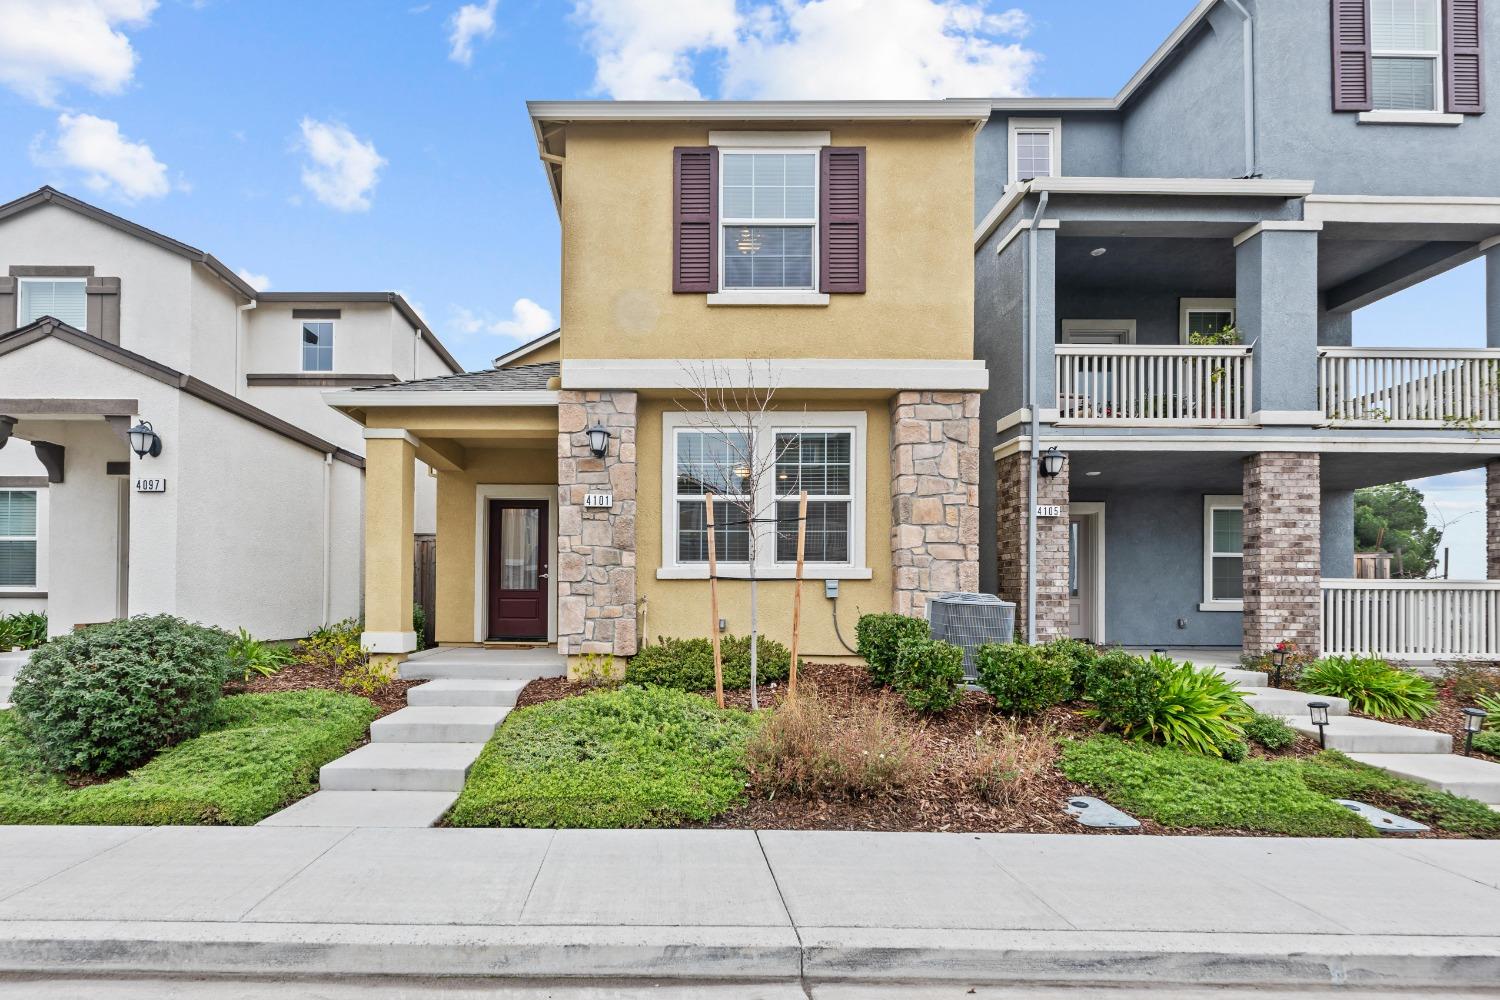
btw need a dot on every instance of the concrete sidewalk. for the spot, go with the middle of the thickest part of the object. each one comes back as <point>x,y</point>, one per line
<point>754,907</point>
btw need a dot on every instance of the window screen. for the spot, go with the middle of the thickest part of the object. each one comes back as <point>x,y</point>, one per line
<point>61,298</point>
<point>17,538</point>
<point>769,215</point>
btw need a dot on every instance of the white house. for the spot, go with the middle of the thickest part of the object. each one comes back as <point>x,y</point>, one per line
<point>249,513</point>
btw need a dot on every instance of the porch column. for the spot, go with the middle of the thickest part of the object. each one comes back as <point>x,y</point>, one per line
<point>1283,551</point>
<point>596,611</point>
<point>934,496</point>
<point>1011,512</point>
<point>390,481</point>
<point>1492,297</point>
<point>1276,309</point>
<point>1492,520</point>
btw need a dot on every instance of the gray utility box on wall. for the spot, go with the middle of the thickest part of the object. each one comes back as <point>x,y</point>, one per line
<point>969,621</point>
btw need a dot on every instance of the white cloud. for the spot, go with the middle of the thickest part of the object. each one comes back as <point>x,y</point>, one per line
<point>108,160</point>
<point>790,49</point>
<point>259,282</point>
<point>47,44</point>
<point>344,169</point>
<point>527,321</point>
<point>471,22</point>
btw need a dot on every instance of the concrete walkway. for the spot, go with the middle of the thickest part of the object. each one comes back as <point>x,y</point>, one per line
<point>757,907</point>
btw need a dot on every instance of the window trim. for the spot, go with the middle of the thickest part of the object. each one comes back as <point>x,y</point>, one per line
<point>764,430</point>
<point>1439,91</point>
<point>1188,306</point>
<point>1212,503</point>
<point>1076,326</point>
<point>39,561</point>
<point>81,282</point>
<point>332,347</point>
<point>734,295</point>
<point>1052,126</point>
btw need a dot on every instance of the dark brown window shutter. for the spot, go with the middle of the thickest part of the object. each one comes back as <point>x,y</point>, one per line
<point>103,316</point>
<point>1463,60</point>
<point>7,304</point>
<point>1351,56</point>
<point>842,220</point>
<point>695,219</point>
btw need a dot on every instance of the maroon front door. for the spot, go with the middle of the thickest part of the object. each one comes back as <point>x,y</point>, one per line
<point>518,569</point>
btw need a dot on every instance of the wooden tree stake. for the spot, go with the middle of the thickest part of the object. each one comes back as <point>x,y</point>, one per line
<point>791,685</point>
<point>713,597</point>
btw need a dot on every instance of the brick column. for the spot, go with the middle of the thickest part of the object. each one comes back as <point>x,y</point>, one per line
<point>1283,522</point>
<point>1492,520</point>
<point>1011,515</point>
<point>934,496</point>
<point>596,547</point>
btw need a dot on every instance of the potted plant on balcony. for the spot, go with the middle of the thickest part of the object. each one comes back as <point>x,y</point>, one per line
<point>1225,336</point>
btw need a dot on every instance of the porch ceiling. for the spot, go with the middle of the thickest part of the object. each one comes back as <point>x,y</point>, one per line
<point>1222,471</point>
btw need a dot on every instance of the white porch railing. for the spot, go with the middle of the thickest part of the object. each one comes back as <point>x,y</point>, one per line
<point>1409,387</point>
<point>1171,386</point>
<point>1412,619</point>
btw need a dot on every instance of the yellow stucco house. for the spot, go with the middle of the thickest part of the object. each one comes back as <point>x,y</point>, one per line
<point>784,285</point>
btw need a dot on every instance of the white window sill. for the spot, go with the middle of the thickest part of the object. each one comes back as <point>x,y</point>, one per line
<point>1222,606</point>
<point>811,571</point>
<point>1409,118</point>
<point>767,298</point>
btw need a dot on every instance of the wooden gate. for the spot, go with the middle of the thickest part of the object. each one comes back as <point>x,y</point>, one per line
<point>424,584</point>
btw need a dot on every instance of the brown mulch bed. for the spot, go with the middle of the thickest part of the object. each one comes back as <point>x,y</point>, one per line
<point>302,676</point>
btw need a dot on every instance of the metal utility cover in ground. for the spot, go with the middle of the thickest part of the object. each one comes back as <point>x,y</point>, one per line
<point>1381,820</point>
<point>1096,812</point>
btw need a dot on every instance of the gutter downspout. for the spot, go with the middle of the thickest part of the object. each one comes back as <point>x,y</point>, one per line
<point>239,357</point>
<point>327,538</point>
<point>1252,165</point>
<point>1031,403</point>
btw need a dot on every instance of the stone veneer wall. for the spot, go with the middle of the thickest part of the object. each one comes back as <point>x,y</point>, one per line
<point>1492,518</point>
<point>596,548</point>
<point>1283,560</point>
<point>1011,514</point>
<point>934,496</point>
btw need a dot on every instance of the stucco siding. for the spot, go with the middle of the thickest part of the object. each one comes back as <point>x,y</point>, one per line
<point>1090,148</point>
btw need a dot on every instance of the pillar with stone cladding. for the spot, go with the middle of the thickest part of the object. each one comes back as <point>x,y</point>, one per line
<point>934,497</point>
<point>1282,571</point>
<point>1492,520</point>
<point>1052,550</point>
<point>596,551</point>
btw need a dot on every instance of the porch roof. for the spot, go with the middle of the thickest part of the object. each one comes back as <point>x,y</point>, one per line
<point>489,380</point>
<point>521,385</point>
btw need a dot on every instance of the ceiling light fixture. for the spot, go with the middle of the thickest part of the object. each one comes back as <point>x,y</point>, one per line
<point>1098,251</point>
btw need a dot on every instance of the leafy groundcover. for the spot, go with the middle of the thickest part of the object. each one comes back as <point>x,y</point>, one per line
<point>259,753</point>
<point>633,757</point>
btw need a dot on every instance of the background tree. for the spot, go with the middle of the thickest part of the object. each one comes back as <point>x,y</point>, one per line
<point>1393,518</point>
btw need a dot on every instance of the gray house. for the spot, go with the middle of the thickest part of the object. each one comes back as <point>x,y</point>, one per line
<point>1164,286</point>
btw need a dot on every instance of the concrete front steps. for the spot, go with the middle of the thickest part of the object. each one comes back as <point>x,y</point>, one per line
<point>1277,701</point>
<point>10,665</point>
<point>1353,735</point>
<point>1466,776</point>
<point>417,759</point>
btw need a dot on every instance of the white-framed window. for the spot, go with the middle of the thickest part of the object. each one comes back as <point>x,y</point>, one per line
<point>1098,331</point>
<point>820,452</point>
<point>1035,148</point>
<point>768,217</point>
<point>18,539</point>
<point>1223,553</point>
<point>63,299</point>
<point>1406,40</point>
<point>1204,316</point>
<point>317,345</point>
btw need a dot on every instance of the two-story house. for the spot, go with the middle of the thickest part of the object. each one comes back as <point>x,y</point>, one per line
<point>1165,281</point>
<point>163,442</point>
<point>816,253</point>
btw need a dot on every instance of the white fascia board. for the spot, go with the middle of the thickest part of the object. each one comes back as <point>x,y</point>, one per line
<point>1278,226</point>
<point>951,109</point>
<point>1031,104</point>
<point>528,347</point>
<point>1191,187</point>
<point>1349,441</point>
<point>1420,209</point>
<point>347,399</point>
<point>1003,208</point>
<point>779,373</point>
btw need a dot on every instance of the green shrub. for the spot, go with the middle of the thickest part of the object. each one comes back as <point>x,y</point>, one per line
<point>1466,681</point>
<point>336,645</point>
<point>366,676</point>
<point>929,673</point>
<point>419,624</point>
<point>1488,743</point>
<point>632,757</point>
<point>109,696</point>
<point>1491,704</point>
<point>688,664</point>
<point>257,754</point>
<point>1198,710</point>
<point>878,639</point>
<point>1270,732</point>
<point>1234,751</point>
<point>1024,679</point>
<point>1372,686</point>
<point>1125,691</point>
<point>23,630</point>
<point>1081,658</point>
<point>250,658</point>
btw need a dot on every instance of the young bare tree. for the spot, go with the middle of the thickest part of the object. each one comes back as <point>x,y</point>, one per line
<point>734,461</point>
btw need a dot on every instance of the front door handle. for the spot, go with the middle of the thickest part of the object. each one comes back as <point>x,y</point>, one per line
<point>541,576</point>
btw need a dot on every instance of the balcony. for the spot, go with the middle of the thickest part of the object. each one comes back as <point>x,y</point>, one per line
<point>1409,387</point>
<point>1165,386</point>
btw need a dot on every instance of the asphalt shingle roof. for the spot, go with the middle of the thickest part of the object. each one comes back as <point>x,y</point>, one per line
<point>490,380</point>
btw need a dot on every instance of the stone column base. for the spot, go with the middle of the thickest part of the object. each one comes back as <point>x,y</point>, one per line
<point>934,497</point>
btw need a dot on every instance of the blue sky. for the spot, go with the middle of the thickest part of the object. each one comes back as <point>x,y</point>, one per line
<point>362,144</point>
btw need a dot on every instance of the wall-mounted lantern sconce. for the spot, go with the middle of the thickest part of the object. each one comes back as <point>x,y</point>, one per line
<point>1051,462</point>
<point>598,440</point>
<point>144,440</point>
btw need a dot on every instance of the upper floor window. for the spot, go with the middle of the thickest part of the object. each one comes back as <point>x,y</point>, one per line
<point>317,345</point>
<point>1406,55</point>
<point>1035,148</point>
<point>63,299</point>
<point>1204,317</point>
<point>18,538</point>
<point>769,217</point>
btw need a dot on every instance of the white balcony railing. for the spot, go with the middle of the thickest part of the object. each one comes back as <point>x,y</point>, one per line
<point>1412,619</point>
<point>1409,387</point>
<point>1171,386</point>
